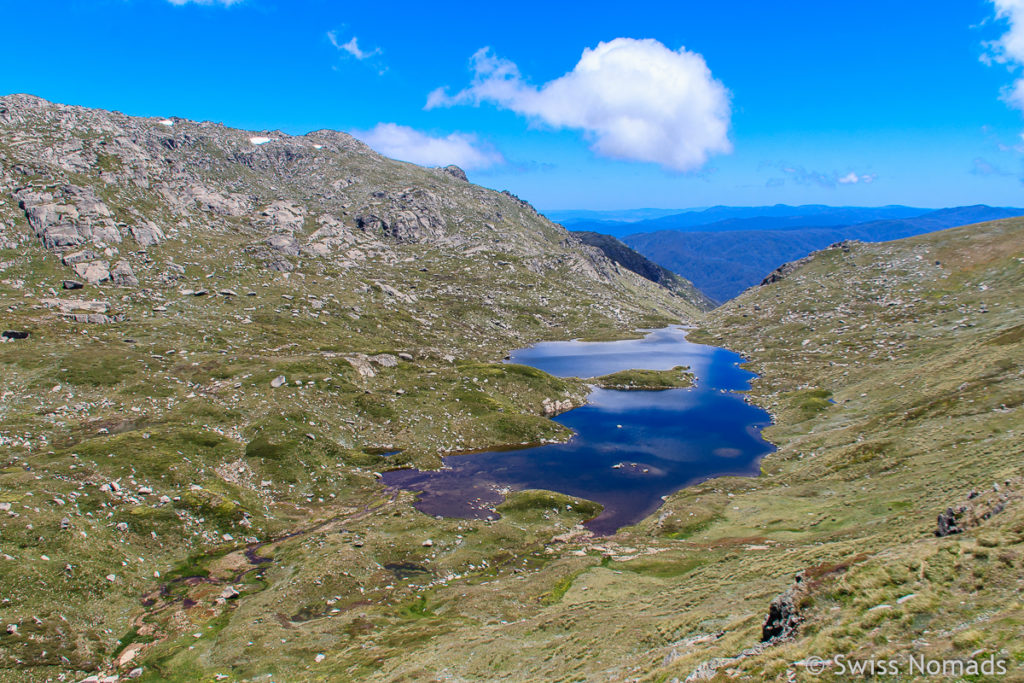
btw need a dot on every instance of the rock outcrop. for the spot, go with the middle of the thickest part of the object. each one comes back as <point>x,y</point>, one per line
<point>784,616</point>
<point>979,507</point>
<point>642,266</point>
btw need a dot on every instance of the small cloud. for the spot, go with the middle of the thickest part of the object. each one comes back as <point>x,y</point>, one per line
<point>852,178</point>
<point>633,99</point>
<point>408,144</point>
<point>802,176</point>
<point>225,3</point>
<point>351,46</point>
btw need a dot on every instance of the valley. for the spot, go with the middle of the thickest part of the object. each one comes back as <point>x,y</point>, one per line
<point>725,250</point>
<point>228,341</point>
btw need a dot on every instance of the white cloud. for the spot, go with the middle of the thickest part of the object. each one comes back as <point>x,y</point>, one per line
<point>1009,49</point>
<point>802,176</point>
<point>634,99</point>
<point>852,178</point>
<point>408,144</point>
<point>226,3</point>
<point>351,46</point>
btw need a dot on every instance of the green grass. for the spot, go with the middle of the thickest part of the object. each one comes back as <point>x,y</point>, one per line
<point>647,380</point>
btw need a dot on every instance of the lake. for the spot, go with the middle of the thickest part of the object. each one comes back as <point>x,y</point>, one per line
<point>630,447</point>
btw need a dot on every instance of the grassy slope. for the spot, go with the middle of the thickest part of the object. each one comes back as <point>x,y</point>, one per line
<point>630,380</point>
<point>858,483</point>
<point>176,408</point>
<point>919,344</point>
<point>928,391</point>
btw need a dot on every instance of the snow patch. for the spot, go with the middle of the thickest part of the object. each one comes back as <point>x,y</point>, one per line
<point>260,140</point>
<point>318,146</point>
<point>166,122</point>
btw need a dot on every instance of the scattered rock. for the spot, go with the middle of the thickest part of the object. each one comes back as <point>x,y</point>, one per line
<point>552,407</point>
<point>95,318</point>
<point>278,381</point>
<point>72,284</point>
<point>385,360</point>
<point>93,272</point>
<point>148,234</point>
<point>73,305</point>
<point>286,244</point>
<point>123,276</point>
<point>14,334</point>
<point>977,508</point>
<point>362,365</point>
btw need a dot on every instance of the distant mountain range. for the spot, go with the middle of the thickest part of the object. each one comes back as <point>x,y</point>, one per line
<point>735,247</point>
<point>631,221</point>
<point>570,216</point>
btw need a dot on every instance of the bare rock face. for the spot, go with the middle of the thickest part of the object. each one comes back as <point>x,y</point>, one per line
<point>76,257</point>
<point>69,218</point>
<point>85,179</point>
<point>410,215</point>
<point>147,234</point>
<point>286,244</point>
<point>93,272</point>
<point>284,216</point>
<point>220,203</point>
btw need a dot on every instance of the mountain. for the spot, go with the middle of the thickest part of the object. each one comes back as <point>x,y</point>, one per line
<point>645,268</point>
<point>213,341</point>
<point>893,373</point>
<point>569,216</point>
<point>718,218</point>
<point>722,259</point>
<point>210,336</point>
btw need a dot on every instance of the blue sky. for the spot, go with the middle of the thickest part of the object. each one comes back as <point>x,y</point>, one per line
<point>580,105</point>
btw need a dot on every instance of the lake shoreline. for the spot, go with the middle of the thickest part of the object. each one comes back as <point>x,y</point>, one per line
<point>670,437</point>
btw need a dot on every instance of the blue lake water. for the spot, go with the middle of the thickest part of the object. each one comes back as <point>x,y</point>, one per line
<point>630,448</point>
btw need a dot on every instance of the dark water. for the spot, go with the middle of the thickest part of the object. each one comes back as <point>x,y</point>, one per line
<point>631,447</point>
